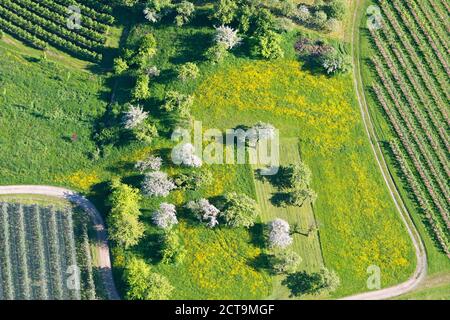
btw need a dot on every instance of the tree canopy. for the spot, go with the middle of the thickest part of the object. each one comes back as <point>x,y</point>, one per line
<point>143,284</point>
<point>239,210</point>
<point>124,226</point>
<point>301,283</point>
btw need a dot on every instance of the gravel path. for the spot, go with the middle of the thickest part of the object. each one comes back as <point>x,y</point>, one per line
<point>99,226</point>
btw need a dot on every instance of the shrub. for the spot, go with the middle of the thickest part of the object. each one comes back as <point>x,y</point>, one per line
<point>157,184</point>
<point>204,211</point>
<point>135,275</point>
<point>285,261</point>
<point>296,176</point>
<point>166,216</point>
<point>296,179</point>
<point>315,283</point>
<point>314,48</point>
<point>159,5</point>
<point>298,197</point>
<point>150,163</point>
<point>245,18</point>
<point>146,50</point>
<point>141,91</point>
<point>303,14</point>
<point>225,11</point>
<point>107,136</point>
<point>123,221</point>
<point>125,229</point>
<point>193,180</point>
<point>178,102</point>
<point>159,287</point>
<point>120,66</point>
<point>330,280</point>
<point>336,9</point>
<point>319,18</point>
<point>184,10</point>
<point>188,71</point>
<point>262,131</point>
<point>216,53</point>
<point>152,71</point>
<point>124,198</point>
<point>331,25</point>
<point>148,44</point>
<point>288,8</point>
<point>151,15</point>
<point>318,4</point>
<point>143,284</point>
<point>145,132</point>
<point>336,62</point>
<point>264,21</point>
<point>239,210</point>
<point>126,3</point>
<point>172,249</point>
<point>285,25</point>
<point>268,45</point>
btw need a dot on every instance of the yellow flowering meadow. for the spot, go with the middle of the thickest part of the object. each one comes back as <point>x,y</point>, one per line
<point>280,91</point>
<point>358,223</point>
<point>219,264</point>
<point>83,180</point>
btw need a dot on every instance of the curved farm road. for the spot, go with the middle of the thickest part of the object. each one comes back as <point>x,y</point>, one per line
<point>99,226</point>
<point>421,266</point>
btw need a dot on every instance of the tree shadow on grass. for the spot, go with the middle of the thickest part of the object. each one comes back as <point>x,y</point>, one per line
<point>32,59</point>
<point>244,50</point>
<point>258,239</point>
<point>194,45</point>
<point>280,180</point>
<point>98,196</point>
<point>150,247</point>
<point>134,180</point>
<point>257,233</point>
<point>279,199</point>
<point>261,262</point>
<point>121,167</point>
<point>166,76</point>
<point>201,17</point>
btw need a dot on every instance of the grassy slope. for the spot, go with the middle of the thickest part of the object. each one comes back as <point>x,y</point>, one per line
<point>354,211</point>
<point>227,256</point>
<point>308,247</point>
<point>41,112</point>
<point>43,105</point>
<point>356,216</point>
<point>437,261</point>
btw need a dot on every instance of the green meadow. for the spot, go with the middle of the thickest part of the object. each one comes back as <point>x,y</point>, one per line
<point>49,112</point>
